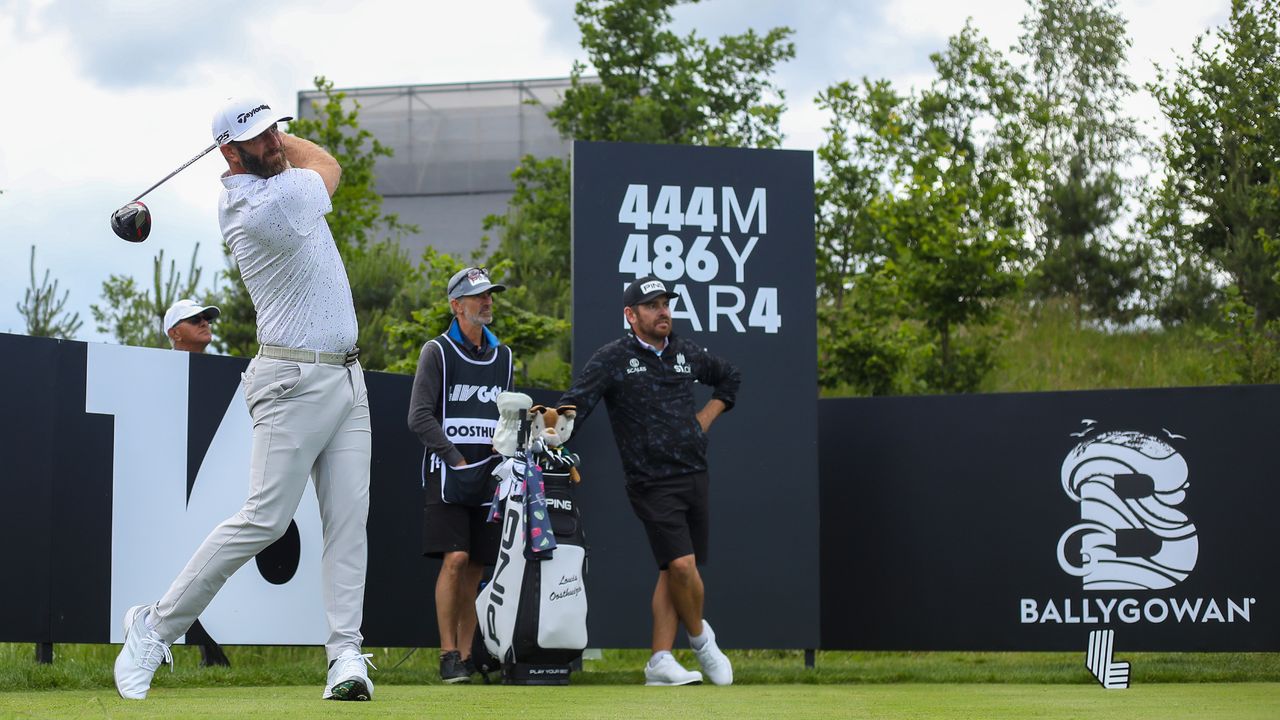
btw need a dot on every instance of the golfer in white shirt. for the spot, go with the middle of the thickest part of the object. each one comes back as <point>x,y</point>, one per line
<point>305,392</point>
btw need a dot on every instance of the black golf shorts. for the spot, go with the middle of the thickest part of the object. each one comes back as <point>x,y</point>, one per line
<point>676,515</point>
<point>450,528</point>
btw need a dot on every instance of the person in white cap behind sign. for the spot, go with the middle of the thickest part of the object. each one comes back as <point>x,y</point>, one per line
<point>188,325</point>
<point>305,391</point>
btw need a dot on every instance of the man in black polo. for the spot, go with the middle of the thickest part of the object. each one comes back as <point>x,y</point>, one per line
<point>453,409</point>
<point>646,379</point>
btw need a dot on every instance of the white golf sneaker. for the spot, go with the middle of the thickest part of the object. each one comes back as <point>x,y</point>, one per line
<point>667,671</point>
<point>348,679</point>
<point>714,663</point>
<point>141,655</point>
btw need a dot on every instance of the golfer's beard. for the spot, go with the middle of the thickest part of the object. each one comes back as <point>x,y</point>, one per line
<point>479,318</point>
<point>261,167</point>
<point>652,329</point>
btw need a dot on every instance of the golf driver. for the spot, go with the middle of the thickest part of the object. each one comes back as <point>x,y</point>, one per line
<point>133,221</point>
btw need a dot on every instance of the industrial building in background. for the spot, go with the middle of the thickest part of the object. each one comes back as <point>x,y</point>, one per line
<point>455,146</point>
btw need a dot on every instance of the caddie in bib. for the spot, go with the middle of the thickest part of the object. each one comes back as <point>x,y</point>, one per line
<point>454,412</point>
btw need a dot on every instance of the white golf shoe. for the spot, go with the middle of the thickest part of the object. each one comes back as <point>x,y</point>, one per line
<point>714,662</point>
<point>141,655</point>
<point>348,679</point>
<point>665,670</point>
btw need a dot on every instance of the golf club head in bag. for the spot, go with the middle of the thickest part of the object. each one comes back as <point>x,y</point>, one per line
<point>132,222</point>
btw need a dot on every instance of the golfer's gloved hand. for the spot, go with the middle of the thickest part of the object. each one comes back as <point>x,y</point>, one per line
<point>507,437</point>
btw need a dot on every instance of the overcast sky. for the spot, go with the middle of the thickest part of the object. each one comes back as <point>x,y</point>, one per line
<point>101,99</point>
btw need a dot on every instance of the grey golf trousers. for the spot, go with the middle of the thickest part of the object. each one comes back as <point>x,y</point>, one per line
<point>308,419</point>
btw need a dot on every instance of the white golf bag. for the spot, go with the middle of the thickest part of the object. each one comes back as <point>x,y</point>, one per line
<point>533,612</point>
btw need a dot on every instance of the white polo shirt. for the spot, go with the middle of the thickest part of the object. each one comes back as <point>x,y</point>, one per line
<point>277,233</point>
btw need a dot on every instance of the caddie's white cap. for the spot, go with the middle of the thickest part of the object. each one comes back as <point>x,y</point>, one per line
<point>185,308</point>
<point>243,119</point>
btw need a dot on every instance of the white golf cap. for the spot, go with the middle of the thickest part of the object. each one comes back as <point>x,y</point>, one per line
<point>185,308</point>
<point>243,119</point>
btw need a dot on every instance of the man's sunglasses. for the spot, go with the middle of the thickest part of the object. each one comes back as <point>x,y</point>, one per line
<point>474,276</point>
<point>196,319</point>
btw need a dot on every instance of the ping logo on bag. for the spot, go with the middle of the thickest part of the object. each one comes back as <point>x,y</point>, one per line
<point>497,592</point>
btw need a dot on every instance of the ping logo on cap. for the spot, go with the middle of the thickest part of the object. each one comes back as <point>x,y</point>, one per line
<point>651,286</point>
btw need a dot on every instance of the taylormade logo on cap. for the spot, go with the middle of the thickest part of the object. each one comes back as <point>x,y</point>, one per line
<point>244,116</point>
<point>241,119</point>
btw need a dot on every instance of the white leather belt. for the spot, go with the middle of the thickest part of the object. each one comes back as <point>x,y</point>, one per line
<point>309,356</point>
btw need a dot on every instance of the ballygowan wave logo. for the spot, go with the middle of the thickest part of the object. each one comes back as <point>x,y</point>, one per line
<point>1131,534</point>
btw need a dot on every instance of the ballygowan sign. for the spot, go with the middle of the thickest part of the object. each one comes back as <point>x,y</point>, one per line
<point>1026,521</point>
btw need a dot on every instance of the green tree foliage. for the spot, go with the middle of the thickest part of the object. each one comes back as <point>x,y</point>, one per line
<point>385,286</point>
<point>654,86</point>
<point>535,234</point>
<point>658,87</point>
<point>526,332</point>
<point>1182,289</point>
<point>44,310</point>
<point>1246,353</point>
<point>1080,140</point>
<point>919,224</point>
<point>1220,197</point>
<point>134,315</point>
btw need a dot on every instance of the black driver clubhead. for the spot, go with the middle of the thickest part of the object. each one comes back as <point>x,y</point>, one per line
<point>132,222</point>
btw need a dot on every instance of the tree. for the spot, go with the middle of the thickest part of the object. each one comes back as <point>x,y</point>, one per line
<point>44,310</point>
<point>863,346</point>
<point>1220,196</point>
<point>653,86</point>
<point>385,285</point>
<point>658,87</point>
<point>1182,289</point>
<point>1080,140</point>
<point>918,209</point>
<point>135,316</point>
<point>535,234</point>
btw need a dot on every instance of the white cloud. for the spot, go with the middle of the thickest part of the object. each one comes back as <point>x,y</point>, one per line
<point>113,96</point>
<point>124,96</point>
<point>143,43</point>
<point>936,21</point>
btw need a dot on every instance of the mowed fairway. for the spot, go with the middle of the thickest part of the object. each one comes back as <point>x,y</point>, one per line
<point>1235,701</point>
<point>285,682</point>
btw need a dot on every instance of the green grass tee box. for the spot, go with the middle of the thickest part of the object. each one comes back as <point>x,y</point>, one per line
<point>1240,701</point>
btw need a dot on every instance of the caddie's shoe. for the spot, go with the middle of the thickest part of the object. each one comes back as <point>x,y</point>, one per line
<point>140,656</point>
<point>664,670</point>
<point>714,663</point>
<point>348,679</point>
<point>452,669</point>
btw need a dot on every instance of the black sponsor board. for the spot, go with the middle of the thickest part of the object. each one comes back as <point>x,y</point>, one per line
<point>27,444</point>
<point>731,231</point>
<point>1024,521</point>
<point>946,522</point>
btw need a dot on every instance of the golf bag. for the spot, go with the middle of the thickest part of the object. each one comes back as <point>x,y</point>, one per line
<point>533,612</point>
